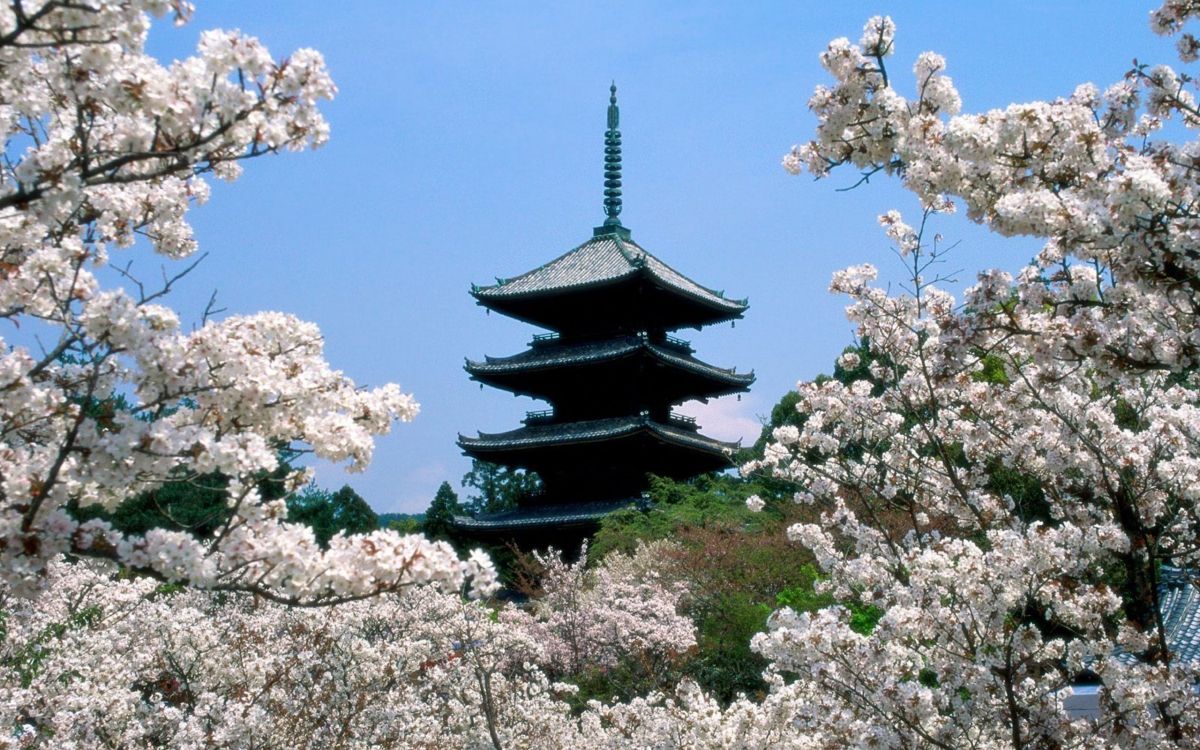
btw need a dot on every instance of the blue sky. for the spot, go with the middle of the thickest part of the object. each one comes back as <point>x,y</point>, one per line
<point>467,144</point>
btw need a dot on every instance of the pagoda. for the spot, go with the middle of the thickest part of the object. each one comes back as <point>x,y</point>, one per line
<point>610,372</point>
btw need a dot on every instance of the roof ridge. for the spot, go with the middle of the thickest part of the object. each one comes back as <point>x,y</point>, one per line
<point>617,427</point>
<point>504,281</point>
<point>609,348</point>
<point>693,359</point>
<point>604,260</point>
<point>663,428</point>
<point>638,261</point>
<point>615,347</point>
<point>718,293</point>
<point>645,259</point>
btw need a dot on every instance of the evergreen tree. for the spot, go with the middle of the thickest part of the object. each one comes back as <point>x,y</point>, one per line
<point>499,487</point>
<point>438,523</point>
<point>328,513</point>
<point>193,503</point>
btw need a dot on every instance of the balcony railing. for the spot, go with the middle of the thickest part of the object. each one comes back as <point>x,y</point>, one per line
<point>681,420</point>
<point>674,418</point>
<point>539,417</point>
<point>667,341</point>
<point>545,339</point>
<point>678,344</point>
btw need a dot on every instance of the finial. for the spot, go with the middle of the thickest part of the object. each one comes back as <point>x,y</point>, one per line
<point>612,169</point>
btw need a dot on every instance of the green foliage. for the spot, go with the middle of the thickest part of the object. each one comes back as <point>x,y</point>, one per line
<point>739,577</point>
<point>992,371</point>
<point>705,501</point>
<point>403,525</point>
<point>439,519</point>
<point>1025,490</point>
<point>193,504</point>
<point>861,371</point>
<point>723,663</point>
<point>783,413</point>
<point>1127,416</point>
<point>387,519</point>
<point>803,597</point>
<point>498,487</point>
<point>863,618</point>
<point>739,566</point>
<point>505,556</point>
<point>628,679</point>
<point>197,504</point>
<point>328,513</point>
<point>735,562</point>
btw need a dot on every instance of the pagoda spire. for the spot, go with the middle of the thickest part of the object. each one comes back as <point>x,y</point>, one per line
<point>612,170</point>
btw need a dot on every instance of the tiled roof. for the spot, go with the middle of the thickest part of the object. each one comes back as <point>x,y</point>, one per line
<point>535,436</point>
<point>691,362</point>
<point>600,260</point>
<point>1179,603</point>
<point>598,351</point>
<point>1181,612</point>
<point>546,515</point>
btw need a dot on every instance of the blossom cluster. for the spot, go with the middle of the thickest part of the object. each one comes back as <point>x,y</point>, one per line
<point>590,618</point>
<point>104,660</point>
<point>107,659</point>
<point>106,148</point>
<point>1007,485</point>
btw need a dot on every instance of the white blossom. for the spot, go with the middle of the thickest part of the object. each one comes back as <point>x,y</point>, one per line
<point>106,146</point>
<point>1005,502</point>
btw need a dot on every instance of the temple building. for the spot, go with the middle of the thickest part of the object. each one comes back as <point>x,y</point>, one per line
<point>610,371</point>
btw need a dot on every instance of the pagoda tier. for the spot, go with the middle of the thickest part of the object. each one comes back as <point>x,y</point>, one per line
<point>630,374</point>
<point>601,459</point>
<point>609,284</point>
<point>531,526</point>
<point>538,517</point>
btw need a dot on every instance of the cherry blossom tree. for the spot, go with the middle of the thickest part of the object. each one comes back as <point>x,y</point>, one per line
<point>1006,487</point>
<point>102,660</point>
<point>592,618</point>
<point>106,148</point>
<point>1074,380</point>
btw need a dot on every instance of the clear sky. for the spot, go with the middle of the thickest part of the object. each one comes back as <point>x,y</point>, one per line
<point>467,144</point>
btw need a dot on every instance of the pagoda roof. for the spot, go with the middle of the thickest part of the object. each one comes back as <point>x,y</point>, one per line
<point>594,430</point>
<point>605,259</point>
<point>573,354</point>
<point>1181,612</point>
<point>1179,604</point>
<point>546,515</point>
